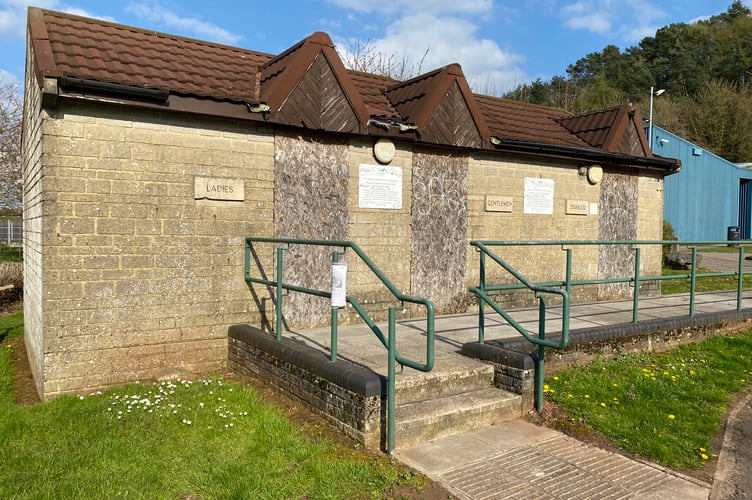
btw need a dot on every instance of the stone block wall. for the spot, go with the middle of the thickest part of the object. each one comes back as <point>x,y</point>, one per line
<point>32,200</point>
<point>139,272</point>
<point>505,177</point>
<point>131,271</point>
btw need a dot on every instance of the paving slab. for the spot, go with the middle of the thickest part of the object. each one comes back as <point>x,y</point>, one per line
<point>518,459</point>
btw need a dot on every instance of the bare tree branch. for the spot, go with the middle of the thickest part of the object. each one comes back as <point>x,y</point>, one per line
<point>11,115</point>
<point>366,58</point>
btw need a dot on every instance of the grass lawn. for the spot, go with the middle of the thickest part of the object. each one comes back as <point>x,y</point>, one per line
<point>666,407</point>
<point>203,439</point>
<point>11,254</point>
<point>702,284</point>
<point>725,249</point>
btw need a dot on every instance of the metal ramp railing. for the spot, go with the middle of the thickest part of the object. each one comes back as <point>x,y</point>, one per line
<point>389,341</point>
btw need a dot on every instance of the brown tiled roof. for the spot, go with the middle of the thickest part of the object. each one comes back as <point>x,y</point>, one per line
<point>371,88</point>
<point>308,86</point>
<point>520,121</point>
<point>97,50</point>
<point>605,129</point>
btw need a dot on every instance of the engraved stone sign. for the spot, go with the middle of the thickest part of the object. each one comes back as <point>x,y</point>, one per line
<point>577,207</point>
<point>213,188</point>
<point>498,203</point>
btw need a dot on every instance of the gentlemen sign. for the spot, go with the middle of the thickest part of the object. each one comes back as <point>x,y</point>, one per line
<point>498,203</point>
<point>212,188</point>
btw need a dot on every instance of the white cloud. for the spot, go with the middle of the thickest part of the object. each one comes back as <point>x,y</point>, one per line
<point>629,21</point>
<point>13,15</point>
<point>588,15</point>
<point>195,27</point>
<point>436,7</point>
<point>84,13</point>
<point>425,42</point>
<point>8,79</point>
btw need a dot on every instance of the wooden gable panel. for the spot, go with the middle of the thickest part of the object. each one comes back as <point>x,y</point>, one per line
<point>630,142</point>
<point>318,102</point>
<point>452,123</point>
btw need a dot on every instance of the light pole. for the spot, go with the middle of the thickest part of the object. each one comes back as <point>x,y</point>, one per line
<point>655,93</point>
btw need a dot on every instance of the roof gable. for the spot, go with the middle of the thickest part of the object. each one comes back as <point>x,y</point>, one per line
<point>310,69</point>
<point>616,130</point>
<point>432,101</point>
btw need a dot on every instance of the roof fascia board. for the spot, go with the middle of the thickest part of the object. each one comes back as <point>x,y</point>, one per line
<point>641,135</point>
<point>617,129</point>
<point>176,104</point>
<point>346,84</point>
<point>44,62</point>
<point>301,56</point>
<point>665,165</point>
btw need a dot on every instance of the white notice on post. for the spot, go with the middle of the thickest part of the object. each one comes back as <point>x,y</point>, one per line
<point>379,186</point>
<point>339,281</point>
<point>539,196</point>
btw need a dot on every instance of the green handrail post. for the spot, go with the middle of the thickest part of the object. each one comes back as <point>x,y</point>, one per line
<point>636,295</point>
<point>247,260</point>
<point>693,282</point>
<point>335,320</point>
<point>278,311</point>
<point>481,304</point>
<point>541,354</point>
<point>740,283</point>
<point>391,374</point>
<point>568,277</point>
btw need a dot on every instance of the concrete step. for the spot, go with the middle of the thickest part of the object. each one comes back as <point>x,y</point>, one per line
<point>421,421</point>
<point>444,381</point>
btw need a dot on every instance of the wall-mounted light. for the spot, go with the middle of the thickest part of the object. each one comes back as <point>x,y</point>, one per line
<point>383,151</point>
<point>594,174</point>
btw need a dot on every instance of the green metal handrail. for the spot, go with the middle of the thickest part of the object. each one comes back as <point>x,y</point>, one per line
<point>636,277</point>
<point>390,341</point>
<point>557,287</point>
<point>540,340</point>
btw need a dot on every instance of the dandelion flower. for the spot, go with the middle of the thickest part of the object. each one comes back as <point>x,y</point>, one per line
<point>587,396</point>
<point>603,405</point>
<point>556,378</point>
<point>704,456</point>
<point>671,417</point>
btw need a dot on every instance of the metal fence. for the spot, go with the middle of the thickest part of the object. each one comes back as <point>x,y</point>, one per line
<point>11,232</point>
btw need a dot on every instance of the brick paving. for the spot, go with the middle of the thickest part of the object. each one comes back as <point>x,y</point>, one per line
<point>543,464</point>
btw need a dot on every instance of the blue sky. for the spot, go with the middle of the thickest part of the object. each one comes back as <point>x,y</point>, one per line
<point>499,44</point>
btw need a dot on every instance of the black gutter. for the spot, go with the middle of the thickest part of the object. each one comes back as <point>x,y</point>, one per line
<point>669,165</point>
<point>78,84</point>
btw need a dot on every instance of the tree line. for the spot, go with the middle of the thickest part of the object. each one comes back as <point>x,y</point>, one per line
<point>705,68</point>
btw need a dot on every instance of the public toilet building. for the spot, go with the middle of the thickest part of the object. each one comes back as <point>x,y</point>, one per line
<point>149,158</point>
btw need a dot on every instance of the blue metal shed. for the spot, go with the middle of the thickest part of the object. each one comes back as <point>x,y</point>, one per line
<point>708,196</point>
